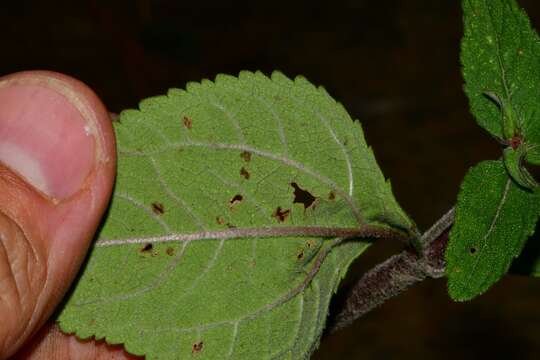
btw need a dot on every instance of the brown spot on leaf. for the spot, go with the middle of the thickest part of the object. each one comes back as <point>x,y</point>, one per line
<point>281,215</point>
<point>230,226</point>
<point>197,347</point>
<point>246,155</point>
<point>220,220</point>
<point>170,251</point>
<point>302,196</point>
<point>147,248</point>
<point>332,195</point>
<point>188,122</point>
<point>158,208</point>
<point>300,255</point>
<point>244,173</point>
<point>310,243</point>
<point>236,199</point>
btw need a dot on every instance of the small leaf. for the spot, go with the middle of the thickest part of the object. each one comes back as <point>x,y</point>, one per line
<point>500,53</point>
<point>223,179</point>
<point>513,161</point>
<point>494,218</point>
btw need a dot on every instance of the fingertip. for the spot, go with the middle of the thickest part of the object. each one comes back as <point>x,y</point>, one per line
<point>57,165</point>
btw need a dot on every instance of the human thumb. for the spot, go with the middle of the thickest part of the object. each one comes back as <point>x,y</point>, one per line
<point>57,164</point>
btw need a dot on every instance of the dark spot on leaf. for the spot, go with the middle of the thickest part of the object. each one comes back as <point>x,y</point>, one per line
<point>170,251</point>
<point>230,226</point>
<point>300,255</point>
<point>188,123</point>
<point>147,248</point>
<point>235,200</point>
<point>220,220</point>
<point>246,155</point>
<point>158,208</point>
<point>310,243</point>
<point>244,173</point>
<point>280,215</point>
<point>472,250</point>
<point>197,347</point>
<point>332,195</point>
<point>302,196</point>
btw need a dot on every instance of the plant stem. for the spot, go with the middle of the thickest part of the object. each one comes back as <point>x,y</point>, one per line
<point>397,273</point>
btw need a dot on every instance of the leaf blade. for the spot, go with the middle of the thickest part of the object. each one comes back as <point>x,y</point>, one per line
<point>494,218</point>
<point>223,156</point>
<point>500,53</point>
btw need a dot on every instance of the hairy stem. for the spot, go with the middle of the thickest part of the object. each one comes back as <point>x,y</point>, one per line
<point>365,231</point>
<point>397,273</point>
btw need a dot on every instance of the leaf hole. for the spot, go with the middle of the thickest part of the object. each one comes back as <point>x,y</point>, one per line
<point>188,122</point>
<point>281,215</point>
<point>236,199</point>
<point>197,347</point>
<point>158,208</point>
<point>472,250</point>
<point>246,156</point>
<point>332,195</point>
<point>147,248</point>
<point>244,173</point>
<point>302,196</point>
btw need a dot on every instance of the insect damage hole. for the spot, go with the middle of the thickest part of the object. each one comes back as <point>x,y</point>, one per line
<point>281,215</point>
<point>188,122</point>
<point>236,199</point>
<point>244,173</point>
<point>197,347</point>
<point>332,195</point>
<point>246,156</point>
<point>158,208</point>
<point>147,248</point>
<point>472,250</point>
<point>302,196</point>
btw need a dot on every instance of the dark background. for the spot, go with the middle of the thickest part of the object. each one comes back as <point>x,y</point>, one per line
<point>393,64</point>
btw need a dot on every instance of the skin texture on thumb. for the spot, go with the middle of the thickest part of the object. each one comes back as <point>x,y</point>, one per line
<point>57,164</point>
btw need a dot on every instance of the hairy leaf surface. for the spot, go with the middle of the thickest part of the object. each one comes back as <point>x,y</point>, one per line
<point>494,218</point>
<point>201,252</point>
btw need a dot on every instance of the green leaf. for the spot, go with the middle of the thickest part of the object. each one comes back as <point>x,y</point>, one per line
<point>202,251</point>
<point>501,66</point>
<point>494,218</point>
<point>513,161</point>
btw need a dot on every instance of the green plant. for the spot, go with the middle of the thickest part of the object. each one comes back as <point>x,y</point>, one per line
<point>240,204</point>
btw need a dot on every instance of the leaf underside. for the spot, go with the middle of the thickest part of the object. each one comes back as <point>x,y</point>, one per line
<point>237,153</point>
<point>494,218</point>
